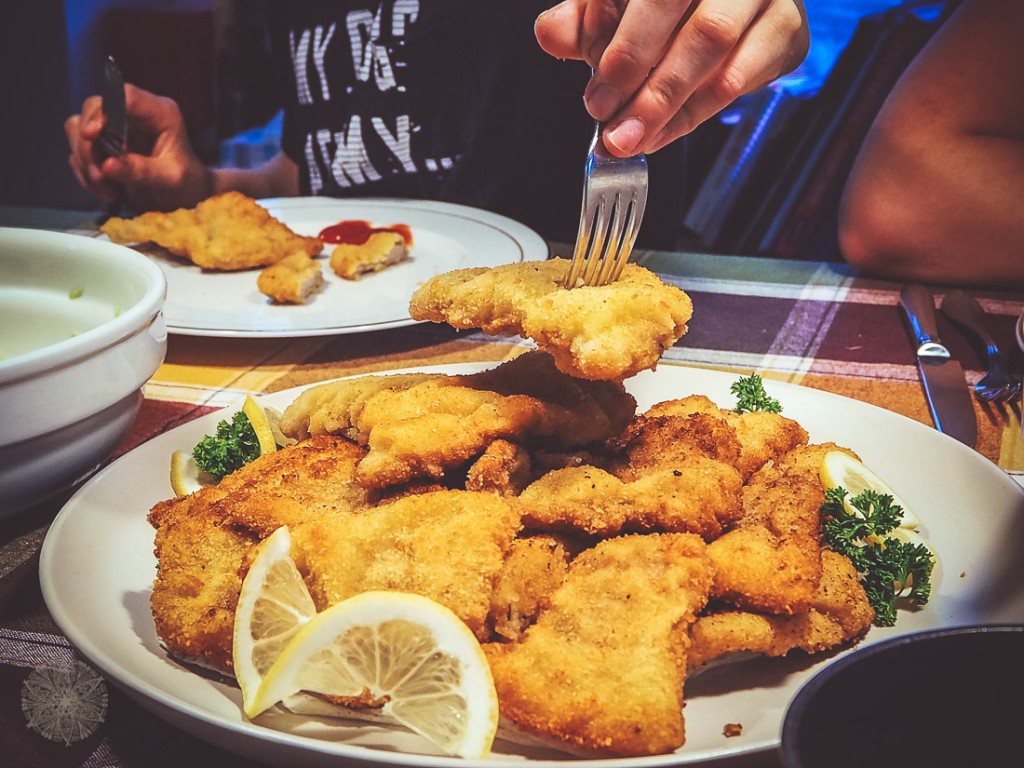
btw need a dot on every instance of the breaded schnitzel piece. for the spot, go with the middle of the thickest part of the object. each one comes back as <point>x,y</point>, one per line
<point>762,436</point>
<point>380,251</point>
<point>771,560</point>
<point>225,232</point>
<point>601,672</point>
<point>609,332</point>
<point>798,468</point>
<point>503,468</point>
<point>660,442</point>
<point>674,473</point>
<point>292,280</point>
<point>696,495</point>
<point>446,545</point>
<point>202,540</point>
<point>535,567</point>
<point>839,613</point>
<point>331,408</point>
<point>429,426</point>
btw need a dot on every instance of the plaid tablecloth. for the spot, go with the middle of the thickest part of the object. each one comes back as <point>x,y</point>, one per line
<point>810,324</point>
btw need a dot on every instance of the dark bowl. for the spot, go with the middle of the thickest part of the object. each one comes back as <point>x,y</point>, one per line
<point>947,697</point>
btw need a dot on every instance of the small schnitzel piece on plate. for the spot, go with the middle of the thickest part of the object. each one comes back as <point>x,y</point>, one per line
<point>225,232</point>
<point>380,251</point>
<point>601,672</point>
<point>425,426</point>
<point>445,545</point>
<point>292,280</point>
<point>609,332</point>
<point>839,613</point>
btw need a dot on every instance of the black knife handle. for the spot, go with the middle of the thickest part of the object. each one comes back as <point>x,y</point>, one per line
<point>919,306</point>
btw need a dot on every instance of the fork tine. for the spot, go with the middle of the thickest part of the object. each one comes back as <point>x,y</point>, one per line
<point>632,227</point>
<point>607,258</point>
<point>598,240</point>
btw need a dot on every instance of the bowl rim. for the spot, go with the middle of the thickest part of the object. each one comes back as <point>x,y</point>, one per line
<point>804,696</point>
<point>139,315</point>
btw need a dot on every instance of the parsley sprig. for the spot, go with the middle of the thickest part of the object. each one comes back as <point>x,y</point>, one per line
<point>234,445</point>
<point>889,569</point>
<point>750,396</point>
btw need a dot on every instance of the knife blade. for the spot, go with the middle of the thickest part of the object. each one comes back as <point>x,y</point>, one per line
<point>945,385</point>
<point>112,139</point>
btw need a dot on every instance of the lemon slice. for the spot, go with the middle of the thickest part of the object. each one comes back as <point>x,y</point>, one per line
<point>411,655</point>
<point>272,605</point>
<point>186,476</point>
<point>261,426</point>
<point>840,469</point>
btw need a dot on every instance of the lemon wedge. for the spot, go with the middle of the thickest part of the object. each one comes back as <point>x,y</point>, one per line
<point>840,469</point>
<point>413,656</point>
<point>186,476</point>
<point>260,424</point>
<point>272,605</point>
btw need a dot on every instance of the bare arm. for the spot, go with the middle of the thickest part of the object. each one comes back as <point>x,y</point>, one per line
<point>937,192</point>
<point>278,177</point>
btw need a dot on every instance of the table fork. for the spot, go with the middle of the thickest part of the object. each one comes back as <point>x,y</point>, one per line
<point>614,196</point>
<point>997,384</point>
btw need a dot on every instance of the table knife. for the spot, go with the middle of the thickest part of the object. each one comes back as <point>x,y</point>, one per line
<point>112,139</point>
<point>945,385</point>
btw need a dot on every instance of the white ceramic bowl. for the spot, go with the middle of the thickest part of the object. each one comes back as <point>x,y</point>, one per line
<point>81,331</point>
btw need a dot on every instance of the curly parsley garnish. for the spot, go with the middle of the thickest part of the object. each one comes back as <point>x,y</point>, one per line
<point>750,396</point>
<point>889,569</point>
<point>234,445</point>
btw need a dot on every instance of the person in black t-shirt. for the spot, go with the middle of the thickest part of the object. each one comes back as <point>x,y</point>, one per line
<point>454,100</point>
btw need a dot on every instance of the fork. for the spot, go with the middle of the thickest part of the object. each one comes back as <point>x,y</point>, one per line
<point>614,196</point>
<point>997,385</point>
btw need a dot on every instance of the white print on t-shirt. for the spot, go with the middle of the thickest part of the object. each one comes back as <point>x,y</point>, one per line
<point>343,153</point>
<point>300,52</point>
<point>369,58</point>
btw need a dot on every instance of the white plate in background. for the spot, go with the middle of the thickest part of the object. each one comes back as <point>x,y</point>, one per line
<point>445,237</point>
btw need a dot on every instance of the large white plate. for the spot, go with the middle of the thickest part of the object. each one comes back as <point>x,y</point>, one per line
<point>445,237</point>
<point>97,567</point>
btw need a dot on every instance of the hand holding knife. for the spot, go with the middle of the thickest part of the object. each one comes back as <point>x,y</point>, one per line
<point>945,385</point>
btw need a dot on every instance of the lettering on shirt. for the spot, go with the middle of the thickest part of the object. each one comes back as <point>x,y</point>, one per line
<point>341,151</point>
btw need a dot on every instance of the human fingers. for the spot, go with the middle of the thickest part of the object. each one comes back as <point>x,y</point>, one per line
<point>772,47</point>
<point>626,59</point>
<point>578,29</point>
<point>755,63</point>
<point>80,157</point>
<point>703,41</point>
<point>150,113</point>
<point>723,50</point>
<point>172,177</point>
